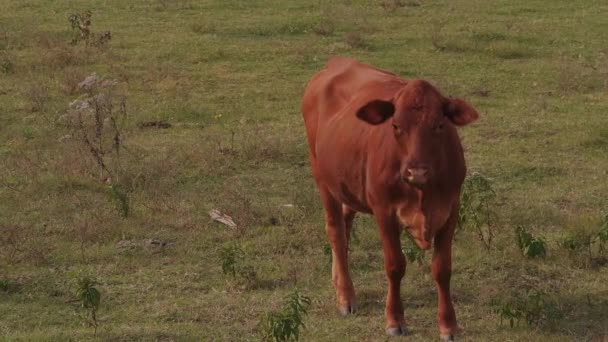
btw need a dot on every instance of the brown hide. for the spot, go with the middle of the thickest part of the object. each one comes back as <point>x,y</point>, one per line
<point>361,163</point>
<point>383,145</point>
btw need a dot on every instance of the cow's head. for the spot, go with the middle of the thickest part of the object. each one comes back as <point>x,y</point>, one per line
<point>423,124</point>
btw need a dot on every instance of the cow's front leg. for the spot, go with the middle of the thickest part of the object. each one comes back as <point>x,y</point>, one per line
<point>335,228</point>
<point>442,272</point>
<point>394,265</point>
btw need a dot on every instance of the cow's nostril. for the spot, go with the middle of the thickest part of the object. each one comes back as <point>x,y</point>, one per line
<point>417,175</point>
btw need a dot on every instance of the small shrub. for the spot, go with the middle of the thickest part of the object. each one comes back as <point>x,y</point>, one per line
<point>80,23</point>
<point>232,257</point>
<point>589,242</point>
<point>393,5</point>
<point>533,307</point>
<point>530,246</point>
<point>38,96</point>
<point>6,65</point>
<point>327,252</point>
<point>97,120</point>
<point>437,37</point>
<point>286,324</point>
<point>325,27</point>
<point>412,252</point>
<point>477,207</point>
<point>89,298</point>
<point>121,198</point>
<point>11,242</point>
<point>4,285</point>
<point>233,260</point>
<point>206,28</point>
<point>81,26</point>
<point>355,40</point>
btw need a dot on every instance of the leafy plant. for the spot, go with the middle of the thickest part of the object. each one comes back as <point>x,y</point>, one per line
<point>232,256</point>
<point>4,285</point>
<point>327,252</point>
<point>233,263</point>
<point>121,198</point>
<point>529,245</point>
<point>89,298</point>
<point>412,252</point>
<point>6,66</point>
<point>533,307</point>
<point>286,324</point>
<point>476,207</point>
<point>81,25</point>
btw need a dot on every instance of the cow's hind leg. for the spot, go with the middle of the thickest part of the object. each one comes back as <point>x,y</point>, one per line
<point>336,233</point>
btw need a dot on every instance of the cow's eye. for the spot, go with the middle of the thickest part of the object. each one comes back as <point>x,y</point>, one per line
<point>397,129</point>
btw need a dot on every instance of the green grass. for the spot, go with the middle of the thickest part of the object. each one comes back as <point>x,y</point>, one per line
<point>228,76</point>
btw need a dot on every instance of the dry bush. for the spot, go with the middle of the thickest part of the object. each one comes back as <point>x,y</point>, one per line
<point>7,66</point>
<point>71,78</point>
<point>11,242</point>
<point>326,24</point>
<point>97,120</point>
<point>355,40</point>
<point>22,244</point>
<point>37,96</point>
<point>393,5</point>
<point>81,25</point>
<point>62,56</point>
<point>325,27</point>
<point>437,38</point>
<point>203,28</point>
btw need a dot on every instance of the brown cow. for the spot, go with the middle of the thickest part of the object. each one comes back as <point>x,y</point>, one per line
<point>383,145</point>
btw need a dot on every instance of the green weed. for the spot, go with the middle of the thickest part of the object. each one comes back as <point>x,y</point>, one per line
<point>412,252</point>
<point>234,263</point>
<point>121,198</point>
<point>232,257</point>
<point>327,252</point>
<point>533,307</point>
<point>4,285</point>
<point>81,26</point>
<point>587,241</point>
<point>89,298</point>
<point>477,208</point>
<point>529,245</point>
<point>286,324</point>
<point>6,65</point>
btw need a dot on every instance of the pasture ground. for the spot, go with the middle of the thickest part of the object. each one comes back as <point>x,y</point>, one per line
<point>228,76</point>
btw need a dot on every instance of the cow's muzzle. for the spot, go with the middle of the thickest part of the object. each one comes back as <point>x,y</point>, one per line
<point>416,175</point>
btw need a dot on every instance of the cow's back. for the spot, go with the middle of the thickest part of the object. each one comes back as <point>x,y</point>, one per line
<point>332,88</point>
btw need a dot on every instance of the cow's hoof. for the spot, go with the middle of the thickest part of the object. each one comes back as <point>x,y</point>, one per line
<point>349,309</point>
<point>447,338</point>
<point>398,331</point>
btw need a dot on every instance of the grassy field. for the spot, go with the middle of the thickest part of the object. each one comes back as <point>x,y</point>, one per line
<point>228,76</point>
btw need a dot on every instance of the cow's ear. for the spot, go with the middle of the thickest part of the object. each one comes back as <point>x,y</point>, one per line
<point>376,112</point>
<point>460,112</point>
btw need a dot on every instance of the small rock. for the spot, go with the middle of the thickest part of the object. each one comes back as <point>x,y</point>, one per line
<point>65,138</point>
<point>89,82</point>
<point>222,218</point>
